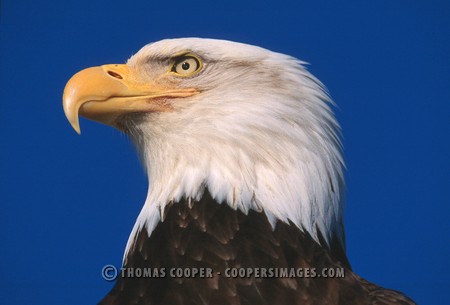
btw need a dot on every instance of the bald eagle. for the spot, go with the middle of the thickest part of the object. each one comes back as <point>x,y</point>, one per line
<point>245,171</point>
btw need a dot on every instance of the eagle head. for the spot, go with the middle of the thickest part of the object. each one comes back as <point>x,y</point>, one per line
<point>252,127</point>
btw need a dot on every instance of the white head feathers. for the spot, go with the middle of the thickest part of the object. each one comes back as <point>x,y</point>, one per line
<point>260,135</point>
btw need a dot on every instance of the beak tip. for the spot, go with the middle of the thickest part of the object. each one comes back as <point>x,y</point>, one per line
<point>75,125</point>
<point>77,128</point>
<point>71,113</point>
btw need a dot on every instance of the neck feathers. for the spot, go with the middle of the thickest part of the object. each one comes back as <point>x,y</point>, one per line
<point>279,154</point>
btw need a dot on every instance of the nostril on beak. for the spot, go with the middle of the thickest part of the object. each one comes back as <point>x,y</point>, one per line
<point>115,75</point>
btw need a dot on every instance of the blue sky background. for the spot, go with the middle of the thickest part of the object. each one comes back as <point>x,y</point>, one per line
<point>68,203</point>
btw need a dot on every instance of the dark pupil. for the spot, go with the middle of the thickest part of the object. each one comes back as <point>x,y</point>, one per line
<point>185,66</point>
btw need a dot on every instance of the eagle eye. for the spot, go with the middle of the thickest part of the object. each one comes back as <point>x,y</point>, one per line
<point>186,65</point>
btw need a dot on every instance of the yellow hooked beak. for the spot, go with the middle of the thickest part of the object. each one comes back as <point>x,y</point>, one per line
<point>106,92</point>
